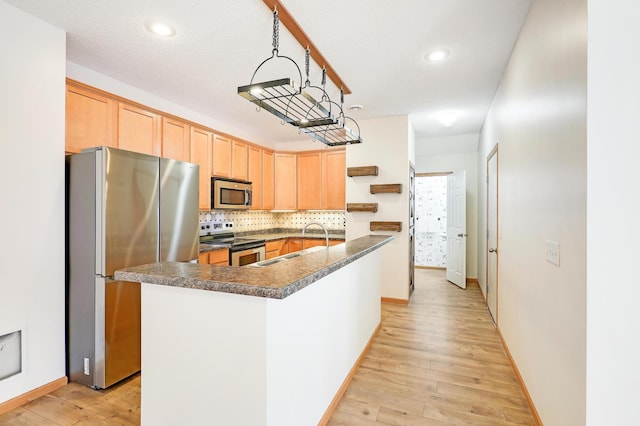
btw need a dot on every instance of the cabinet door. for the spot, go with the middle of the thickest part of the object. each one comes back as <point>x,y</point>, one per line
<point>268,179</point>
<point>294,244</point>
<point>313,242</point>
<point>138,129</point>
<point>335,173</point>
<point>200,143</point>
<point>285,181</point>
<point>203,258</point>
<point>175,139</point>
<point>90,118</point>
<point>255,176</point>
<point>221,156</point>
<point>239,160</point>
<point>309,181</point>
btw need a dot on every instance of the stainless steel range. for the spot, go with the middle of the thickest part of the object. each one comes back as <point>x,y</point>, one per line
<point>242,250</point>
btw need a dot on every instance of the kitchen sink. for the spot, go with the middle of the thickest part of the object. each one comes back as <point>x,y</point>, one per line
<point>285,257</point>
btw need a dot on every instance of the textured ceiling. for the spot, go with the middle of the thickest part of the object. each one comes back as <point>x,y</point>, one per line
<point>376,46</point>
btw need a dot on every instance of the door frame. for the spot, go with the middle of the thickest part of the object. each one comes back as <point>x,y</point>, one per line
<point>492,153</point>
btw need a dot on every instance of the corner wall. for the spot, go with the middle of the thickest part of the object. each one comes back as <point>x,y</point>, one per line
<point>613,208</point>
<point>388,144</point>
<point>32,105</point>
<point>538,119</point>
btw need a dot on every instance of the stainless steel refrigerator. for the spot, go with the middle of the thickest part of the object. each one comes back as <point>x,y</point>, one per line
<point>123,209</point>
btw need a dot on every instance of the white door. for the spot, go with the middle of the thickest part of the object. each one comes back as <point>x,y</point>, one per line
<point>457,229</point>
<point>492,235</point>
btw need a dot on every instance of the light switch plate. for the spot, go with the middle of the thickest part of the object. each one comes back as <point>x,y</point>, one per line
<point>553,252</point>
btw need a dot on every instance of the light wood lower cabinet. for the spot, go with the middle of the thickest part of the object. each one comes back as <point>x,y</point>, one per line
<point>274,248</point>
<point>218,257</point>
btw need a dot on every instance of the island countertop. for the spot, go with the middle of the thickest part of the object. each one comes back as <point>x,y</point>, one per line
<point>276,281</point>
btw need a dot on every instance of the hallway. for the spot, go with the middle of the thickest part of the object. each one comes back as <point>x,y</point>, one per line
<point>438,361</point>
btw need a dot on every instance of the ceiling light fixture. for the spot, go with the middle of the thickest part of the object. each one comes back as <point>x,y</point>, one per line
<point>447,117</point>
<point>437,55</point>
<point>356,108</point>
<point>161,29</point>
<point>323,120</point>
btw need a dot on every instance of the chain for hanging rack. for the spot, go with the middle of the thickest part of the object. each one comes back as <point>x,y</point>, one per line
<point>306,65</point>
<point>276,32</point>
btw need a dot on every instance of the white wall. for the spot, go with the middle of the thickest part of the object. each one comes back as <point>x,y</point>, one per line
<point>386,144</point>
<point>453,154</point>
<point>613,354</point>
<point>31,182</point>
<point>116,87</point>
<point>538,117</point>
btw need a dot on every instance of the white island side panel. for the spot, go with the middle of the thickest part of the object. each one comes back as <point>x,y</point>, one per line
<point>203,357</point>
<point>314,338</point>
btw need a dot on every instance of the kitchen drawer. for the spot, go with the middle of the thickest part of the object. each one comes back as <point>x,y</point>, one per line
<point>217,257</point>
<point>273,245</point>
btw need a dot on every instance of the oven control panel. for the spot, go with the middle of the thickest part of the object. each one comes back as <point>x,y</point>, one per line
<point>212,227</point>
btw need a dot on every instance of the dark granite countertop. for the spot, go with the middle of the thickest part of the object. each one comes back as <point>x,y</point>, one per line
<point>276,281</point>
<point>277,234</point>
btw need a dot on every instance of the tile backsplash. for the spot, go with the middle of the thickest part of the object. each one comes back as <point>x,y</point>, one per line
<point>256,220</point>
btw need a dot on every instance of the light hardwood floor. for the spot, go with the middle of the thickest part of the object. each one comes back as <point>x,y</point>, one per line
<point>438,361</point>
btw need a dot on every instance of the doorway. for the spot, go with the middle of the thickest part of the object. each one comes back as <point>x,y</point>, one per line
<point>492,234</point>
<point>431,220</point>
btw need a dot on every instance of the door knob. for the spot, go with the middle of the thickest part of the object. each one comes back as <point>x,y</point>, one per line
<point>462,235</point>
<point>492,250</point>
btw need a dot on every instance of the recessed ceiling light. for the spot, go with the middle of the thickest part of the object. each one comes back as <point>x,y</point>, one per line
<point>161,29</point>
<point>356,108</point>
<point>447,117</point>
<point>437,55</point>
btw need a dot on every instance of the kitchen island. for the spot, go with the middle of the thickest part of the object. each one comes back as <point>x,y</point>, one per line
<point>270,345</point>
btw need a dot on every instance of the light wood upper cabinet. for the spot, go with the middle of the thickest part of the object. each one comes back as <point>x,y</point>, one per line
<point>255,176</point>
<point>201,144</point>
<point>268,180</point>
<point>334,180</point>
<point>309,181</point>
<point>90,119</point>
<point>221,156</point>
<point>138,129</point>
<point>175,139</point>
<point>239,160</point>
<point>285,181</point>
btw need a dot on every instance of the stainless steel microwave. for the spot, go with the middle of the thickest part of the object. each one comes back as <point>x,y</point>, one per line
<point>230,193</point>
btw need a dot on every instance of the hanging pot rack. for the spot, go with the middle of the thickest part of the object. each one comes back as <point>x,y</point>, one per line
<point>293,104</point>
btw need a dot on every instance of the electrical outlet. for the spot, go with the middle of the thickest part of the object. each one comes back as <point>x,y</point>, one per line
<point>553,252</point>
<point>86,367</point>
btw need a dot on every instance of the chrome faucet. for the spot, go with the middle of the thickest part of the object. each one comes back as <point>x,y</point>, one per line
<point>326,233</point>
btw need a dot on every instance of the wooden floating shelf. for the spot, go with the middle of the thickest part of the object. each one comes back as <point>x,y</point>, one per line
<point>395,188</point>
<point>362,171</point>
<point>385,226</point>
<point>362,207</point>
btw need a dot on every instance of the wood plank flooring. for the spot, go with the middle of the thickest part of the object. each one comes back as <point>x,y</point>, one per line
<point>438,361</point>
